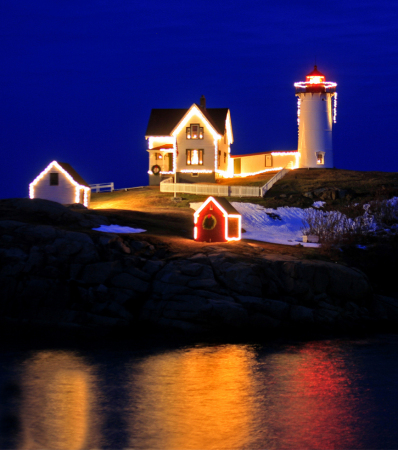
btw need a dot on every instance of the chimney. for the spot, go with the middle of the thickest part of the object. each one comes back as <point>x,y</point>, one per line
<point>203,102</point>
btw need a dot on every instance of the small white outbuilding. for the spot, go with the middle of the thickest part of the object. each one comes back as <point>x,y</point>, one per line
<point>60,183</point>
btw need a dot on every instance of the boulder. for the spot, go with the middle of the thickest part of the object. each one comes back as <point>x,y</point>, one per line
<point>127,281</point>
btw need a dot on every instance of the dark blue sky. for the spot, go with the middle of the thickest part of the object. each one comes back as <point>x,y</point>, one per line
<point>79,78</point>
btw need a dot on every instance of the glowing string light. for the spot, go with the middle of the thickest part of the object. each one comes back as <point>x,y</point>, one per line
<point>226,216</point>
<point>335,108</point>
<point>78,187</point>
<point>195,171</point>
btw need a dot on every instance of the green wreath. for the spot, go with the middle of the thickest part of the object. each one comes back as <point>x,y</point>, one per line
<point>209,222</point>
<point>156,169</point>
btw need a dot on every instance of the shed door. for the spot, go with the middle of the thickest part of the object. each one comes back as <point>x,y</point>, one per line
<point>268,160</point>
<point>237,168</point>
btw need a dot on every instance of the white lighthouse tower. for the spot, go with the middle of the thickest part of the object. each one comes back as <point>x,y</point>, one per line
<point>315,116</point>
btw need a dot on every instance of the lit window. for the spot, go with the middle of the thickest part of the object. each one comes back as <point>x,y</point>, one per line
<point>194,131</point>
<point>54,179</point>
<point>195,157</point>
<point>320,157</point>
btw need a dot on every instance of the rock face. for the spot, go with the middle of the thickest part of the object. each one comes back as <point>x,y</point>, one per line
<point>50,275</point>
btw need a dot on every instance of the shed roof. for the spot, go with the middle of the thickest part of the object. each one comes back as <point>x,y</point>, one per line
<point>222,202</point>
<point>72,172</point>
<point>163,121</point>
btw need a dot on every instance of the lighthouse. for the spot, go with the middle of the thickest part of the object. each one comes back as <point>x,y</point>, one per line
<point>316,113</point>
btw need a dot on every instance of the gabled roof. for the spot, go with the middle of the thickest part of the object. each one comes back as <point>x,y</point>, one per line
<point>72,172</point>
<point>163,121</point>
<point>222,202</point>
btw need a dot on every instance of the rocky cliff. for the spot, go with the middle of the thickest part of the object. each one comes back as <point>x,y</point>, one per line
<point>50,274</point>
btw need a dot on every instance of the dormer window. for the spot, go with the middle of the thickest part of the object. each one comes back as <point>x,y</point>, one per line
<point>194,131</point>
<point>320,158</point>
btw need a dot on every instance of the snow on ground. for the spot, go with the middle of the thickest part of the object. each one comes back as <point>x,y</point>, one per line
<point>118,229</point>
<point>260,226</point>
<point>319,204</point>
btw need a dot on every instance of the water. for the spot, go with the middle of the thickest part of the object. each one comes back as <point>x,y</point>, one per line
<point>320,394</point>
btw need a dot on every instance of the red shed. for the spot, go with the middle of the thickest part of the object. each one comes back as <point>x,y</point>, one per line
<point>216,220</point>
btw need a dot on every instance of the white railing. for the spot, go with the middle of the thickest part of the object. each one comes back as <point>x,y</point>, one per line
<point>268,185</point>
<point>245,191</point>
<point>197,189</point>
<point>100,186</point>
<point>210,189</point>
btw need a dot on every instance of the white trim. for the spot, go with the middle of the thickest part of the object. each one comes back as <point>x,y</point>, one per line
<point>78,186</point>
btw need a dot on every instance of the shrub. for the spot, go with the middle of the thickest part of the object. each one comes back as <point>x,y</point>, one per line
<point>334,227</point>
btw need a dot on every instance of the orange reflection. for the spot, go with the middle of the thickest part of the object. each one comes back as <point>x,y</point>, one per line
<point>195,398</point>
<point>317,404</point>
<point>57,402</point>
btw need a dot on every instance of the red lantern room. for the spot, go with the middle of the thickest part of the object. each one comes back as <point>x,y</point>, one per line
<point>216,220</point>
<point>315,77</point>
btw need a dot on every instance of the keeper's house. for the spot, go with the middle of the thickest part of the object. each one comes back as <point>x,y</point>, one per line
<point>193,144</point>
<point>60,183</point>
<point>216,220</point>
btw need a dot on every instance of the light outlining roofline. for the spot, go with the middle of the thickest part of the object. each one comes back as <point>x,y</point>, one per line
<point>225,214</point>
<point>304,84</point>
<point>78,186</point>
<point>194,110</point>
<point>161,139</point>
<point>228,126</point>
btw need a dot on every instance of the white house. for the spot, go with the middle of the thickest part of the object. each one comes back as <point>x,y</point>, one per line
<point>60,183</point>
<point>194,143</point>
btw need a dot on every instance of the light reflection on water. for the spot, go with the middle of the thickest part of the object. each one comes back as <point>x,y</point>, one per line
<point>314,395</point>
<point>58,406</point>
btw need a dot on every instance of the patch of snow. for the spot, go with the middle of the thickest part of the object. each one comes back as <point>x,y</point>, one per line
<point>319,204</point>
<point>118,229</point>
<point>260,226</point>
<point>362,247</point>
<point>260,223</point>
<point>195,206</point>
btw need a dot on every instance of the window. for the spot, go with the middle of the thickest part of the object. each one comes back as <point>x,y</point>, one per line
<point>54,179</point>
<point>219,158</point>
<point>320,157</point>
<point>195,157</point>
<point>194,131</point>
<point>225,157</point>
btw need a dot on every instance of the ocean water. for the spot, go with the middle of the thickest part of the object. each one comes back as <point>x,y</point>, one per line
<point>329,394</point>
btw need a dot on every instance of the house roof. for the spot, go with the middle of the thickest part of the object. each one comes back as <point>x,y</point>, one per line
<point>163,121</point>
<point>72,172</point>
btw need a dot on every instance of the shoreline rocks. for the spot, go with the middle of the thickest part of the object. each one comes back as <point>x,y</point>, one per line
<point>68,278</point>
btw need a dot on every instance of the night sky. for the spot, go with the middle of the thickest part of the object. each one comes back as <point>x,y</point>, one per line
<point>79,79</point>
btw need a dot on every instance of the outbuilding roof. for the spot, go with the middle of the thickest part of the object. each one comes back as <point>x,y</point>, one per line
<point>222,202</point>
<point>72,172</point>
<point>163,121</point>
